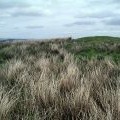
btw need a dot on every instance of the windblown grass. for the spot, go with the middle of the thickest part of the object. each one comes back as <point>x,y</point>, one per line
<point>43,81</point>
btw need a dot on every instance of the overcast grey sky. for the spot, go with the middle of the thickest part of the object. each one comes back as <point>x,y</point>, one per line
<point>59,18</point>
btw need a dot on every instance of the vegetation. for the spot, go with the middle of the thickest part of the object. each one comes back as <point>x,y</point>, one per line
<point>98,47</point>
<point>60,79</point>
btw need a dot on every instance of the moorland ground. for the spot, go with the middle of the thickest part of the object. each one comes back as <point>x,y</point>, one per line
<point>77,79</point>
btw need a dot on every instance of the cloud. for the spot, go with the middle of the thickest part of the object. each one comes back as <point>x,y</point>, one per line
<point>8,4</point>
<point>98,15</point>
<point>80,23</point>
<point>2,23</point>
<point>34,27</point>
<point>58,16</point>
<point>115,1</point>
<point>21,13</point>
<point>19,8</point>
<point>24,13</point>
<point>113,21</point>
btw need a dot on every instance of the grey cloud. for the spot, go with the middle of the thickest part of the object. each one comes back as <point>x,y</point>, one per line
<point>26,13</point>
<point>102,15</point>
<point>7,4</point>
<point>117,1</point>
<point>21,14</point>
<point>113,21</point>
<point>16,28</point>
<point>34,27</point>
<point>98,15</point>
<point>99,3</point>
<point>16,8</point>
<point>80,23</point>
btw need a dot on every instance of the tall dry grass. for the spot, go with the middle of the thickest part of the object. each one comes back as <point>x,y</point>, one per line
<point>46,86</point>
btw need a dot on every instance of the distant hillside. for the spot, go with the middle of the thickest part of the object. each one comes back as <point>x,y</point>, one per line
<point>98,39</point>
<point>32,40</point>
<point>98,46</point>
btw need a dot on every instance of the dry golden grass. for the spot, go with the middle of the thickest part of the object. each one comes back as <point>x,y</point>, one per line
<point>46,86</point>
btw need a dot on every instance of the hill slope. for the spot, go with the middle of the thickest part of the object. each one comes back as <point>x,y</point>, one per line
<point>99,47</point>
<point>60,79</point>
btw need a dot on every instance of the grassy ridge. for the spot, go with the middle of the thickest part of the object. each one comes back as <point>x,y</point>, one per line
<point>83,48</point>
<point>60,80</point>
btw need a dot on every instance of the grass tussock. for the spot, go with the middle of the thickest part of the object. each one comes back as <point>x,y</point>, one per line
<point>43,81</point>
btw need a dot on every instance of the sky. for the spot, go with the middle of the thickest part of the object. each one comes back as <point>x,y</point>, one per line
<point>59,18</point>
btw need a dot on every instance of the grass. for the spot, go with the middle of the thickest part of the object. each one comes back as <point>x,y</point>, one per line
<point>98,47</point>
<point>60,80</point>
